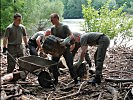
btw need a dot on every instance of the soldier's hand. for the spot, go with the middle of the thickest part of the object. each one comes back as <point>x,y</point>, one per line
<point>66,41</point>
<point>63,43</point>
<point>4,50</point>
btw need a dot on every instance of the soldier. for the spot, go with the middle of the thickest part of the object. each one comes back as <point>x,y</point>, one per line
<point>75,45</point>
<point>36,40</point>
<point>13,41</point>
<point>93,39</point>
<point>62,31</point>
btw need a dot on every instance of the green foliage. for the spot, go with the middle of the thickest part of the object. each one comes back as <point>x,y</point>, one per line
<point>8,8</point>
<point>110,22</point>
<point>73,8</point>
<point>130,10</point>
<point>35,13</point>
<point>98,3</point>
<point>6,13</point>
<point>121,2</point>
<point>38,12</point>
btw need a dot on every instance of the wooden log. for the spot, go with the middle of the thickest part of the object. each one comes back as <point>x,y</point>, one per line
<point>13,77</point>
<point>118,80</point>
<point>113,91</point>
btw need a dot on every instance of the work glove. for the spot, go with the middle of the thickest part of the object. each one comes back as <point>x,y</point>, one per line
<point>4,50</point>
<point>78,63</point>
<point>66,41</point>
<point>27,51</point>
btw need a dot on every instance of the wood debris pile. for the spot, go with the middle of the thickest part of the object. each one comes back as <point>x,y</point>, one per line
<point>117,83</point>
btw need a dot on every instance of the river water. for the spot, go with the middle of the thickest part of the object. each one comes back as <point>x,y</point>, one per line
<point>74,24</point>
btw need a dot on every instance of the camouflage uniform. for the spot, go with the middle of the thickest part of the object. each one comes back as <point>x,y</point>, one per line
<point>32,42</point>
<point>102,42</point>
<point>15,48</point>
<point>77,46</point>
<point>62,31</point>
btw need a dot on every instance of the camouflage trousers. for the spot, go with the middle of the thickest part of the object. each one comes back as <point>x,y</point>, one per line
<point>69,61</point>
<point>99,56</point>
<point>16,51</point>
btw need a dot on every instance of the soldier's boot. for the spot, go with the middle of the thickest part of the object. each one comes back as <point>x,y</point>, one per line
<point>54,74</point>
<point>77,80</point>
<point>96,80</point>
<point>55,80</point>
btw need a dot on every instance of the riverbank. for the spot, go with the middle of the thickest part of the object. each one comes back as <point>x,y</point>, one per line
<point>74,24</point>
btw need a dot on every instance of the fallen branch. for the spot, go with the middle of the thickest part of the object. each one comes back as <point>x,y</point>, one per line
<point>118,80</point>
<point>48,98</point>
<point>29,97</point>
<point>113,91</point>
<point>112,71</point>
<point>12,96</point>
<point>128,95</point>
<point>22,83</point>
<point>3,95</point>
<point>100,95</point>
<point>60,98</point>
<point>70,82</point>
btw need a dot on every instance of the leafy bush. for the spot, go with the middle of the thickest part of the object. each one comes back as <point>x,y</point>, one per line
<point>110,22</point>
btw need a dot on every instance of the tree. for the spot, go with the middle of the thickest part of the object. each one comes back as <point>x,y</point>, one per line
<point>73,8</point>
<point>35,13</point>
<point>130,10</point>
<point>97,3</point>
<point>8,7</point>
<point>110,22</point>
<point>121,2</point>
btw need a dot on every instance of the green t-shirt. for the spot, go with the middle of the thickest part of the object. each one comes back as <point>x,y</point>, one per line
<point>89,38</point>
<point>62,31</point>
<point>15,34</point>
<point>40,33</point>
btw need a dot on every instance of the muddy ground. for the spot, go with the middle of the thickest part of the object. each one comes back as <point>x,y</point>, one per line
<point>118,65</point>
